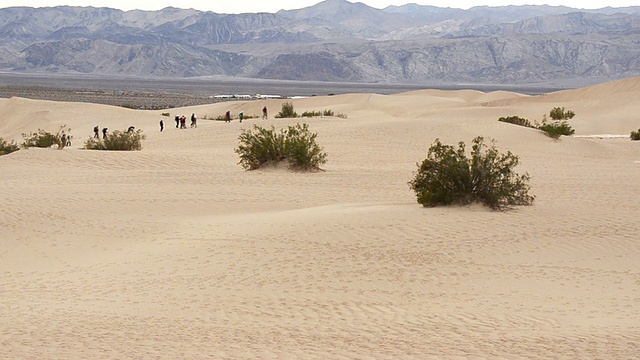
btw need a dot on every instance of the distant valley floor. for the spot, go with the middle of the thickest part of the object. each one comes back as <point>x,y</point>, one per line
<point>160,93</point>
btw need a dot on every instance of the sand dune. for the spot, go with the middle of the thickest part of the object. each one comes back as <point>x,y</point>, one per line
<point>177,252</point>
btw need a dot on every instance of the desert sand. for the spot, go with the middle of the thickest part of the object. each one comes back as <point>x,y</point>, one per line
<point>176,252</point>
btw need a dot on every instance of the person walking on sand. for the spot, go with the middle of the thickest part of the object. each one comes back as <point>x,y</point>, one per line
<point>63,140</point>
<point>177,121</point>
<point>96,132</point>
<point>264,113</point>
<point>68,139</point>
<point>241,116</point>
<point>227,116</point>
<point>161,125</point>
<point>194,120</point>
<point>104,133</point>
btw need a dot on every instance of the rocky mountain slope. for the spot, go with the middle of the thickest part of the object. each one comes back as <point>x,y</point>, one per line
<point>335,40</point>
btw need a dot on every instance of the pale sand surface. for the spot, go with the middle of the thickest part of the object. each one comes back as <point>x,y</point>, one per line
<point>176,252</point>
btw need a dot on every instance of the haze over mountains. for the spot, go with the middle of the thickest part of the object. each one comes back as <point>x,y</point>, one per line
<point>334,40</point>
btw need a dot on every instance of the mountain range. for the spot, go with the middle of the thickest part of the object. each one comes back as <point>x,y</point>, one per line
<point>335,40</point>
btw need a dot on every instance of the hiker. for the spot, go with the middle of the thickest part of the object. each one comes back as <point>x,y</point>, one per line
<point>241,115</point>
<point>177,121</point>
<point>193,121</point>
<point>227,116</point>
<point>68,139</point>
<point>96,132</point>
<point>104,133</point>
<point>183,122</point>
<point>131,129</point>
<point>63,140</point>
<point>161,125</point>
<point>264,113</point>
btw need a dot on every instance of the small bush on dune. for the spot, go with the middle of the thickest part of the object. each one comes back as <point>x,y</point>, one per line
<point>259,147</point>
<point>309,114</point>
<point>558,114</point>
<point>118,141</point>
<point>635,135</point>
<point>287,111</point>
<point>516,121</point>
<point>554,128</point>
<point>322,113</point>
<point>447,176</point>
<point>301,148</point>
<point>558,125</point>
<point>44,139</point>
<point>295,144</point>
<point>8,147</point>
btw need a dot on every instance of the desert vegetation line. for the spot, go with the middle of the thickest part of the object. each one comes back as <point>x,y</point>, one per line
<point>554,128</point>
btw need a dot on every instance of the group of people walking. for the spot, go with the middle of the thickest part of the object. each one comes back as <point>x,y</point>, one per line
<point>181,122</point>
<point>227,115</point>
<point>96,132</point>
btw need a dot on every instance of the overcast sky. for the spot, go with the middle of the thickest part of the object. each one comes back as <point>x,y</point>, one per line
<point>240,6</point>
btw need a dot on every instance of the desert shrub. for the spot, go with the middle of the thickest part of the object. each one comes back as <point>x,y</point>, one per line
<point>296,144</point>
<point>558,113</point>
<point>165,114</point>
<point>558,125</point>
<point>287,111</point>
<point>635,135</point>
<point>516,120</point>
<point>117,140</point>
<point>447,176</point>
<point>44,139</point>
<point>301,148</point>
<point>555,129</point>
<point>341,115</point>
<point>8,147</point>
<point>311,114</point>
<point>320,113</point>
<point>444,177</point>
<point>259,147</point>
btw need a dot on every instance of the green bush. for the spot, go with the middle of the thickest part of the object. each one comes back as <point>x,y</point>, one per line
<point>309,114</point>
<point>516,121</point>
<point>117,140</point>
<point>561,114</point>
<point>301,148</point>
<point>635,135</point>
<point>320,113</point>
<point>555,129</point>
<point>296,144</point>
<point>259,147</point>
<point>559,125</point>
<point>8,147</point>
<point>287,111</point>
<point>447,176</point>
<point>44,139</point>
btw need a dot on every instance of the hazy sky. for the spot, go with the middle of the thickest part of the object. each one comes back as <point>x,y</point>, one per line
<point>239,6</point>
